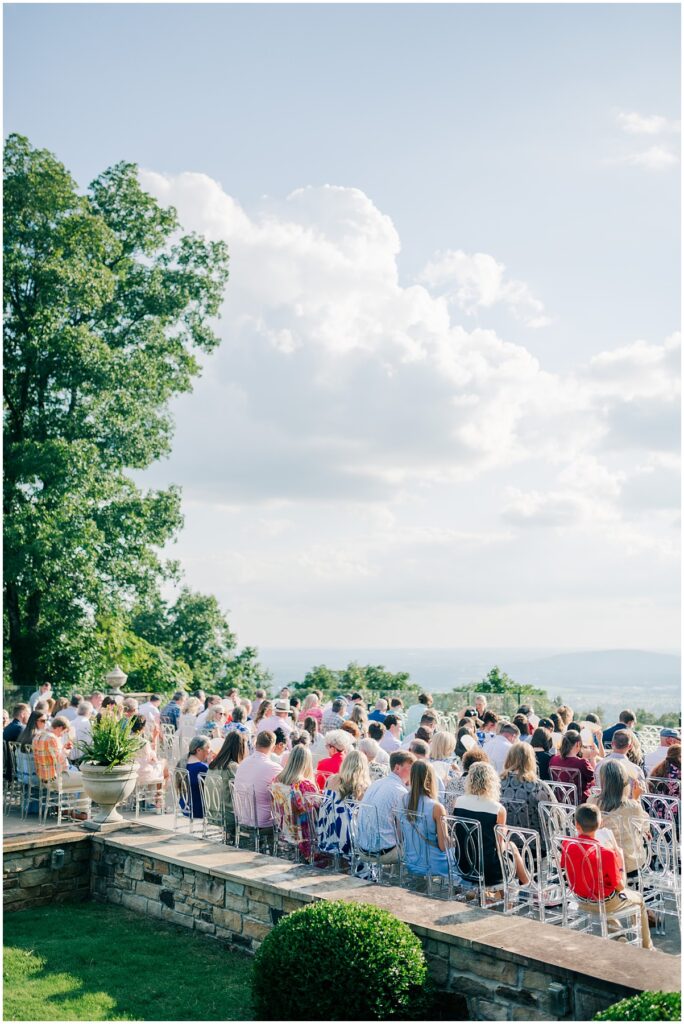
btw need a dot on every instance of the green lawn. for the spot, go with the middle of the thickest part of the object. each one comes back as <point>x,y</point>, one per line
<point>91,961</point>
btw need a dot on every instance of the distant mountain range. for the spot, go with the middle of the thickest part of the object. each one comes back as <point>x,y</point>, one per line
<point>611,679</point>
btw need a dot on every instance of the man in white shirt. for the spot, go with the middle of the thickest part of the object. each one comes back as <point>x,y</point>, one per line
<point>391,740</point>
<point>43,692</point>
<point>71,712</point>
<point>416,711</point>
<point>95,699</point>
<point>497,748</point>
<point>151,709</point>
<point>82,729</point>
<point>280,719</point>
<point>427,722</point>
<point>668,738</point>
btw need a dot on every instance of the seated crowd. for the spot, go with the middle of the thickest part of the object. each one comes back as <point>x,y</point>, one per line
<point>411,778</point>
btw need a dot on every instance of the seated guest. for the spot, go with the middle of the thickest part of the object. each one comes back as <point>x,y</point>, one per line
<point>337,745</point>
<point>442,753</point>
<point>194,707</point>
<point>569,758</point>
<point>311,708</point>
<point>385,796</point>
<point>498,747</point>
<point>311,726</point>
<point>461,748</point>
<point>238,722</point>
<point>37,722</point>
<point>391,739</point>
<point>621,745</point>
<point>353,730</point>
<point>279,719</point>
<point>490,723</point>
<point>196,765</point>
<point>558,730</point>
<point>376,731</point>
<point>341,792</point>
<point>520,782</point>
<point>480,802</point>
<point>172,712</point>
<point>50,748</point>
<point>265,711</point>
<point>455,785</point>
<point>542,745</point>
<point>71,710</point>
<point>14,728</point>
<point>298,776</point>
<point>416,711</point>
<point>427,724</point>
<point>428,851</point>
<point>627,720</point>
<point>669,772</point>
<point>256,773</point>
<point>523,724</point>
<point>224,767</point>
<point>214,724</point>
<point>584,878</point>
<point>359,718</point>
<point>618,812</point>
<point>668,738</point>
<point>150,768</point>
<point>380,711</point>
<point>151,710</point>
<point>370,749</point>
<point>334,718</point>
<point>82,729</point>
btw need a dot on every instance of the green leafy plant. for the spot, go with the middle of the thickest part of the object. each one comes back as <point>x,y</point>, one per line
<point>112,743</point>
<point>646,1006</point>
<point>325,944</point>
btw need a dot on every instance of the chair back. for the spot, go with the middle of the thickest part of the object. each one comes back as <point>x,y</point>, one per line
<point>556,819</point>
<point>413,842</point>
<point>666,808</point>
<point>565,792</point>
<point>514,842</point>
<point>579,866</point>
<point>364,831</point>
<point>377,770</point>
<point>213,802</point>
<point>517,813</point>
<point>465,836</point>
<point>244,804</point>
<point>664,787</point>
<point>565,777</point>
<point>286,819</point>
<point>182,793</point>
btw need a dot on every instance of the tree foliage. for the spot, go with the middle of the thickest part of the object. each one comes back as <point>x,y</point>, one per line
<point>107,307</point>
<point>367,679</point>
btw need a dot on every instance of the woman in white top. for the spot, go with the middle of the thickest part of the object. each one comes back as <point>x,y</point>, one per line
<point>442,756</point>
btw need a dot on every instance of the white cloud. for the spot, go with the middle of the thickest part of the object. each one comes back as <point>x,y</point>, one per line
<point>645,124</point>
<point>478,281</point>
<point>656,158</point>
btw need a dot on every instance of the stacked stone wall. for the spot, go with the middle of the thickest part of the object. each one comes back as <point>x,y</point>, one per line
<point>31,877</point>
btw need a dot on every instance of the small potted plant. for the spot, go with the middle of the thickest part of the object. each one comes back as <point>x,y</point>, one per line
<point>108,768</point>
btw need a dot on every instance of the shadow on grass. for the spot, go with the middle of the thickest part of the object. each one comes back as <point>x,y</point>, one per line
<point>91,961</point>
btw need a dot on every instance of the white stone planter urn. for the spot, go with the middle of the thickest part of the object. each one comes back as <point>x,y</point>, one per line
<point>107,787</point>
<point>115,680</point>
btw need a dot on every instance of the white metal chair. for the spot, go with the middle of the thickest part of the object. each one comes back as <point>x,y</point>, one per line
<point>578,863</point>
<point>561,779</point>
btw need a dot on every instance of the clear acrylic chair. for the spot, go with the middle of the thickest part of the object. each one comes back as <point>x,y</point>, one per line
<point>53,797</point>
<point>377,770</point>
<point>247,819</point>
<point>182,799</point>
<point>12,783</point>
<point>465,838</point>
<point>213,807</point>
<point>664,787</point>
<point>555,819</point>
<point>538,897</point>
<point>578,863</point>
<point>293,833</point>
<point>659,870</point>
<point>561,778</point>
<point>517,812</point>
<point>662,807</point>
<point>414,852</point>
<point>28,781</point>
<point>367,842</point>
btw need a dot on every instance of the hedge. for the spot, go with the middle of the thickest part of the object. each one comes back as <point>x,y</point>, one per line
<point>647,1006</point>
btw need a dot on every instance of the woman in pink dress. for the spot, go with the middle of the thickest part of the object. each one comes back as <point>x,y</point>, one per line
<point>311,708</point>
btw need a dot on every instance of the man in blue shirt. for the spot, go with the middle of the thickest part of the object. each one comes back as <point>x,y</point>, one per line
<point>627,721</point>
<point>380,712</point>
<point>380,801</point>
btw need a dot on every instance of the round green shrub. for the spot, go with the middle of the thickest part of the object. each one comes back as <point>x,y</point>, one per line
<point>339,961</point>
<point>647,1006</point>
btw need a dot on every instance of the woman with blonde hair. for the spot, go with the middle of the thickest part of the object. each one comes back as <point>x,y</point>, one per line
<point>342,790</point>
<point>294,794</point>
<point>426,843</point>
<point>481,803</point>
<point>442,747</point>
<point>311,708</point>
<point>520,783</point>
<point>359,718</point>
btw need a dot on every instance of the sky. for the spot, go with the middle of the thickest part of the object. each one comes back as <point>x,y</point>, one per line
<point>445,409</point>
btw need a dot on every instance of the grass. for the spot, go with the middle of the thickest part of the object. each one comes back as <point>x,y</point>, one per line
<point>91,961</point>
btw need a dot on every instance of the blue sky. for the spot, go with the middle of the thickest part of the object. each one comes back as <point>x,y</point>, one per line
<point>545,137</point>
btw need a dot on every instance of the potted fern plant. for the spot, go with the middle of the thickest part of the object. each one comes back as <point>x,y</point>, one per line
<point>108,768</point>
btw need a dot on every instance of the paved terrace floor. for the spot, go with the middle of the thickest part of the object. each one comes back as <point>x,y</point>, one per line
<point>13,825</point>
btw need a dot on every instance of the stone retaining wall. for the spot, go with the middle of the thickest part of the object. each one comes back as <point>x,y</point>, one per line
<point>30,880</point>
<point>507,968</point>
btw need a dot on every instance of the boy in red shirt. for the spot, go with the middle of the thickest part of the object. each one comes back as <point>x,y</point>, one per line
<point>583,877</point>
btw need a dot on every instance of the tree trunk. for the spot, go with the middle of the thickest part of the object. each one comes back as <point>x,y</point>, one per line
<point>23,643</point>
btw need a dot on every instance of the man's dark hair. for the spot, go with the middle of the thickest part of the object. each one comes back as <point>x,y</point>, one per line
<point>18,709</point>
<point>627,716</point>
<point>399,757</point>
<point>522,724</point>
<point>155,698</point>
<point>490,718</point>
<point>238,714</point>
<point>621,739</point>
<point>265,739</point>
<point>396,702</point>
<point>419,747</point>
<point>295,702</point>
<point>587,817</point>
<point>337,706</point>
<point>356,696</point>
<point>429,718</point>
<point>391,720</point>
<point>546,723</point>
<point>591,717</point>
<point>179,695</point>
<point>422,734</point>
<point>280,736</point>
<point>524,709</point>
<point>425,698</point>
<point>510,729</point>
<point>376,730</point>
<point>76,699</point>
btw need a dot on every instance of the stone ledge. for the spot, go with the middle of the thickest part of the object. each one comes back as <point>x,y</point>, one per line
<point>558,952</point>
<point>39,840</point>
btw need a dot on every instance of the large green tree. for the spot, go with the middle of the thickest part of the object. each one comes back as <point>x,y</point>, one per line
<point>107,306</point>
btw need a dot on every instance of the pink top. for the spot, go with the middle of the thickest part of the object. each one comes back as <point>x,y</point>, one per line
<point>273,722</point>
<point>258,771</point>
<point>316,713</point>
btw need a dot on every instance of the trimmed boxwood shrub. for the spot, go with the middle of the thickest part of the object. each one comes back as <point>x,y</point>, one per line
<point>647,1006</point>
<point>339,961</point>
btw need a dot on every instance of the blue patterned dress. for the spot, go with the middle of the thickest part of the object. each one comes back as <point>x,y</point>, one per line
<point>333,826</point>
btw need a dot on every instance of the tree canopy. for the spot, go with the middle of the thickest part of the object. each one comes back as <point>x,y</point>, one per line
<point>107,308</point>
